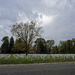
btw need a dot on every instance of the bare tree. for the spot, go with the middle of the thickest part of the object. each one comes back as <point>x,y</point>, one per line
<point>26,32</point>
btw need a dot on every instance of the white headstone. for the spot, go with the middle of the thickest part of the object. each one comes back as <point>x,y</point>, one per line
<point>62,57</point>
<point>69,57</point>
<point>74,57</point>
<point>28,57</point>
<point>32,58</point>
<point>65,58</point>
<point>16,57</point>
<point>55,58</point>
<point>48,56</point>
<point>7,57</point>
<point>44,58</point>
<point>37,57</point>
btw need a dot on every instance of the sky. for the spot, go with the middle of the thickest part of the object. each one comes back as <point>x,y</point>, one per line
<point>57,17</point>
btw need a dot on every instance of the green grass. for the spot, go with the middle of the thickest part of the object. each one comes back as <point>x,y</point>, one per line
<point>24,60</point>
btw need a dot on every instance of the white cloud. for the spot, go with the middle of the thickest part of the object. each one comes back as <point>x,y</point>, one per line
<point>58,4</point>
<point>1,26</point>
<point>43,19</point>
<point>47,19</point>
<point>39,17</point>
<point>50,2</point>
<point>22,17</point>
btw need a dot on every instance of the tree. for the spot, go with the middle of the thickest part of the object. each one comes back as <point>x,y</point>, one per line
<point>26,32</point>
<point>69,45</point>
<point>73,41</point>
<point>18,47</point>
<point>73,45</point>
<point>40,45</point>
<point>65,46</point>
<point>55,49</point>
<point>5,44</point>
<point>50,43</point>
<point>11,44</point>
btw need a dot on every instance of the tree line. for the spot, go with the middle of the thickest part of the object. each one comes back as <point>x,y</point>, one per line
<point>41,46</point>
<point>25,42</point>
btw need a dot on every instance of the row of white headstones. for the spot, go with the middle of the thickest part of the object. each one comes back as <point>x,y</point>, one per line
<point>33,57</point>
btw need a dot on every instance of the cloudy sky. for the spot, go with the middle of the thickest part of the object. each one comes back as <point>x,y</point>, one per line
<point>57,17</point>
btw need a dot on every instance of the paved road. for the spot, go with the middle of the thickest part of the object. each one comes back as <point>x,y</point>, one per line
<point>39,69</point>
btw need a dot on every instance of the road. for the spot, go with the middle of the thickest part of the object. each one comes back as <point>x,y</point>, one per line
<point>38,69</point>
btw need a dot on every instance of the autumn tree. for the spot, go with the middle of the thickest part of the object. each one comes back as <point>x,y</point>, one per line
<point>26,32</point>
<point>18,47</point>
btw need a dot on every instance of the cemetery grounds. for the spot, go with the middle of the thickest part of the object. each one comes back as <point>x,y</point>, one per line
<point>35,58</point>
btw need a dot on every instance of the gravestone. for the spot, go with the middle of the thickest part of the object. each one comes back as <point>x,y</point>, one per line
<point>55,58</point>
<point>65,58</point>
<point>22,56</point>
<point>48,56</point>
<point>37,57</point>
<point>32,58</point>
<point>62,57</point>
<point>7,57</point>
<point>69,57</point>
<point>28,57</point>
<point>74,57</point>
<point>16,57</point>
<point>44,58</point>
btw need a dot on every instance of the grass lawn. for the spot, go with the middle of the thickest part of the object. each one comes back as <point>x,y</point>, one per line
<point>38,59</point>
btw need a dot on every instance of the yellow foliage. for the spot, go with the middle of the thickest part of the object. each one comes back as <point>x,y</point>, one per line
<point>19,46</point>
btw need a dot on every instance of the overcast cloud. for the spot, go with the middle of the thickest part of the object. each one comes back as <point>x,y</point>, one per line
<point>57,17</point>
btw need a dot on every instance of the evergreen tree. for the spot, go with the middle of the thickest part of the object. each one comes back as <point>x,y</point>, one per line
<point>5,44</point>
<point>11,44</point>
<point>40,45</point>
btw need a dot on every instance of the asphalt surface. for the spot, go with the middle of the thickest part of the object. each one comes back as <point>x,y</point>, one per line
<point>38,69</point>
